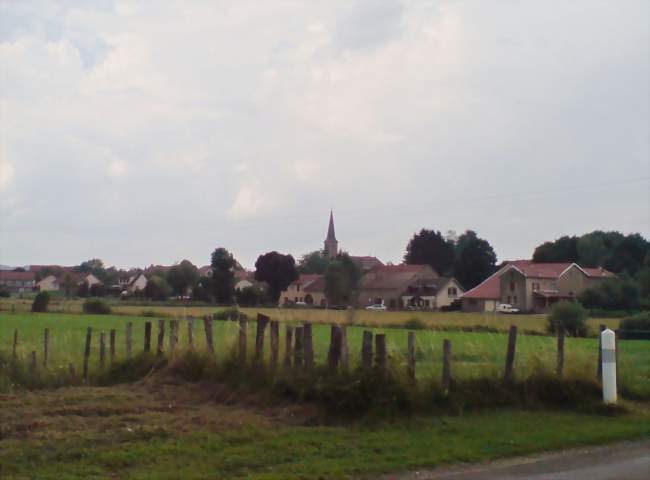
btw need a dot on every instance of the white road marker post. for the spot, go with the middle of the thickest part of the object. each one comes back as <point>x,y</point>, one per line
<point>608,346</point>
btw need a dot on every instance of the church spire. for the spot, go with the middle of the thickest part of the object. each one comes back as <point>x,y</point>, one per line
<point>331,244</point>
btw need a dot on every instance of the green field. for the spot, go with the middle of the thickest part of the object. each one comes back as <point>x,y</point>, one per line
<point>474,354</point>
<point>178,431</point>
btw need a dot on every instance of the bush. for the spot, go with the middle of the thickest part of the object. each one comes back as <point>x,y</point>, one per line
<point>637,322</point>
<point>41,301</point>
<point>96,307</point>
<point>414,324</point>
<point>231,313</point>
<point>569,316</point>
<point>453,307</point>
<point>5,293</point>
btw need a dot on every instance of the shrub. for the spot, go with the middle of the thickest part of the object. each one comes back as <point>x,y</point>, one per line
<point>570,316</point>
<point>96,307</point>
<point>231,313</point>
<point>637,322</point>
<point>41,301</point>
<point>5,293</point>
<point>414,324</point>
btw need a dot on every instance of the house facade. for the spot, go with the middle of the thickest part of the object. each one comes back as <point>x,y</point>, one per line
<point>532,287</point>
<point>17,282</point>
<point>432,294</point>
<point>387,285</point>
<point>309,289</point>
<point>54,284</point>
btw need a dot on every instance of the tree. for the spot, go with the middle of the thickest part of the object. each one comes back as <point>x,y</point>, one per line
<point>47,271</point>
<point>223,275</point>
<point>277,270</point>
<point>612,294</point>
<point>431,248</point>
<point>68,284</point>
<point>157,288</point>
<point>94,266</point>
<point>182,277</point>
<point>313,262</point>
<point>336,284</point>
<point>250,296</point>
<point>83,290</point>
<point>474,260</point>
<point>41,302</point>
<point>568,316</point>
<point>564,249</point>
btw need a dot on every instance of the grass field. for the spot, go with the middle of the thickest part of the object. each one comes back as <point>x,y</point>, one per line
<point>474,354</point>
<point>179,431</point>
<point>433,320</point>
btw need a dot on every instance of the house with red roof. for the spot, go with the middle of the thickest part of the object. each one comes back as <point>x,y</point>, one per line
<point>387,284</point>
<point>17,282</point>
<point>309,289</point>
<point>532,287</point>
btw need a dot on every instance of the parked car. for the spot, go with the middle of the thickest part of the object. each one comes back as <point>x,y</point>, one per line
<point>377,307</point>
<point>301,304</point>
<point>507,308</point>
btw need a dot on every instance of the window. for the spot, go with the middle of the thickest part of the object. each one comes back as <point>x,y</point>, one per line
<point>508,299</point>
<point>512,286</point>
<point>296,299</point>
<point>514,299</point>
<point>452,292</point>
<point>535,286</point>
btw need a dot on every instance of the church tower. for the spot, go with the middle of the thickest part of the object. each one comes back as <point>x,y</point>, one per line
<point>331,244</point>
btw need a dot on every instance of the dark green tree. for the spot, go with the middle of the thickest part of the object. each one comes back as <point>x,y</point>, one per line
<point>41,302</point>
<point>83,290</point>
<point>431,248</point>
<point>157,289</point>
<point>223,276</point>
<point>474,260</point>
<point>182,277</point>
<point>313,262</point>
<point>564,249</point>
<point>277,270</point>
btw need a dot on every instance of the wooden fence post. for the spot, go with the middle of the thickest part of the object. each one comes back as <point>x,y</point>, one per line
<point>173,336</point>
<point>380,347</point>
<point>298,347</point>
<point>334,354</point>
<point>308,343</point>
<point>288,336</point>
<point>366,350</point>
<point>243,338</point>
<point>345,354</point>
<point>560,351</point>
<point>102,350</point>
<point>32,364</point>
<point>510,355</point>
<point>262,321</point>
<point>207,323</point>
<point>446,366</point>
<point>129,339</point>
<point>190,332</point>
<point>599,370</point>
<point>410,368</point>
<point>275,343</point>
<point>89,334</point>
<point>161,337</point>
<point>14,353</point>
<point>147,337</point>
<point>111,345</point>
<point>46,342</point>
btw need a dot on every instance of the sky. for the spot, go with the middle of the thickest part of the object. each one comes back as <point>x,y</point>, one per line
<point>147,132</point>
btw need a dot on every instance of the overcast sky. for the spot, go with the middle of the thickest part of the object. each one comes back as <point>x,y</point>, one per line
<point>148,132</point>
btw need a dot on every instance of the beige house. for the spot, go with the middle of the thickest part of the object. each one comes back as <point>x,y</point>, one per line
<point>388,284</point>
<point>136,283</point>
<point>309,289</point>
<point>432,294</point>
<point>530,286</point>
<point>54,284</point>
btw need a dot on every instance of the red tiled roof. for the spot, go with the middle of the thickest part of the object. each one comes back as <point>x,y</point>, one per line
<point>315,285</point>
<point>306,278</point>
<point>490,288</point>
<point>22,276</point>
<point>367,262</point>
<point>598,272</point>
<point>389,277</point>
<point>38,268</point>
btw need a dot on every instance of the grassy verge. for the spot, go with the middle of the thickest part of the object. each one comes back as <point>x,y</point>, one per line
<point>167,431</point>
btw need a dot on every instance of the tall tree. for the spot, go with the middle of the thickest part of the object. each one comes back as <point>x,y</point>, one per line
<point>182,277</point>
<point>277,270</point>
<point>313,262</point>
<point>223,275</point>
<point>564,249</point>
<point>157,289</point>
<point>474,260</point>
<point>341,279</point>
<point>431,248</point>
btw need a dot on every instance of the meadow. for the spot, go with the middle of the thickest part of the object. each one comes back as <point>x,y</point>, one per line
<point>474,354</point>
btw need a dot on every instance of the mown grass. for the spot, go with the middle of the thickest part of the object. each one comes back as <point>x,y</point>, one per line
<point>177,431</point>
<point>474,354</point>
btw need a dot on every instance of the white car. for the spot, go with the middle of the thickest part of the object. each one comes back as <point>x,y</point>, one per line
<point>377,307</point>
<point>507,308</point>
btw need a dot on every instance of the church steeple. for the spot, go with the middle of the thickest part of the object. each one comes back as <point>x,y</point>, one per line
<point>331,244</point>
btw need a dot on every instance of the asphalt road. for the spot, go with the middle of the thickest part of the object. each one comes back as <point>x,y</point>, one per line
<point>623,461</point>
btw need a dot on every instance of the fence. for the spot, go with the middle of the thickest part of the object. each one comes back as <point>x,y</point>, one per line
<point>298,351</point>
